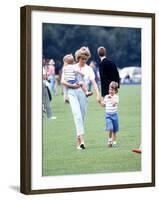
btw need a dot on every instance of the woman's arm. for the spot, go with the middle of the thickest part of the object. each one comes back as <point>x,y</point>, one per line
<point>96,90</point>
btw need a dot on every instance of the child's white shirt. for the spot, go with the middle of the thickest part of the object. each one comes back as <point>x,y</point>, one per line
<point>110,108</point>
<point>69,72</point>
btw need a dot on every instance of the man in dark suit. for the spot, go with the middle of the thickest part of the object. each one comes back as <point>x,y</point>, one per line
<point>108,71</point>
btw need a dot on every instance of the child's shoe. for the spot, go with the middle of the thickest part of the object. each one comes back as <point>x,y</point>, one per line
<point>53,117</point>
<point>114,144</point>
<point>136,150</point>
<point>89,94</point>
<point>110,142</point>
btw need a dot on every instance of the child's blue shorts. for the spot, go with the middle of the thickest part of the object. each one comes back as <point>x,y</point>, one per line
<point>72,81</point>
<point>112,122</point>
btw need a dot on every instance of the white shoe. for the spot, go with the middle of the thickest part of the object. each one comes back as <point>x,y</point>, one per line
<point>114,144</point>
<point>109,144</point>
<point>53,117</point>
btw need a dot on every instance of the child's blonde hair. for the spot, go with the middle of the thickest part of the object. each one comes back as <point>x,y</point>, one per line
<point>69,59</point>
<point>114,86</point>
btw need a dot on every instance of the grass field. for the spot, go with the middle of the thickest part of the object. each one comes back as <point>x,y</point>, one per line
<point>60,156</point>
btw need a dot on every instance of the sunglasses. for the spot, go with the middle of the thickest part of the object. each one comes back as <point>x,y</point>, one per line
<point>83,58</point>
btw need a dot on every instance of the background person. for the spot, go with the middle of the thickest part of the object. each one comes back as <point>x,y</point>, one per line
<point>46,96</point>
<point>51,75</point>
<point>108,71</point>
<point>57,79</point>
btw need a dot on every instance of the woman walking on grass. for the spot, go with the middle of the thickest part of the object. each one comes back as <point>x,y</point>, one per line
<point>77,98</point>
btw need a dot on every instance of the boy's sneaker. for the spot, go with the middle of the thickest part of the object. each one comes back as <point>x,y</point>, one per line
<point>114,144</point>
<point>53,117</point>
<point>82,146</point>
<point>109,144</point>
<point>89,94</point>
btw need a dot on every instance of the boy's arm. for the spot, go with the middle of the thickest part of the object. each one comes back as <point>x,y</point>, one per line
<point>102,102</point>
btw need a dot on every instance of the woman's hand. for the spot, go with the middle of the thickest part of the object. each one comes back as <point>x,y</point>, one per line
<point>99,99</point>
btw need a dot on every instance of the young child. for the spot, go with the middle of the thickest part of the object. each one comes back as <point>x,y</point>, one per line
<point>111,102</point>
<point>73,75</point>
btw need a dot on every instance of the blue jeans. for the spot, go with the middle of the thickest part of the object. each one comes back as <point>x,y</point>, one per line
<point>112,122</point>
<point>78,103</point>
<point>51,79</point>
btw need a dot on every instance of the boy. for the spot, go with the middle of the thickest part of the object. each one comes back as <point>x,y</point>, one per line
<point>73,75</point>
<point>111,102</point>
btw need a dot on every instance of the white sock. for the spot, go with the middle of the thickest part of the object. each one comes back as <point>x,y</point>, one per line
<point>109,140</point>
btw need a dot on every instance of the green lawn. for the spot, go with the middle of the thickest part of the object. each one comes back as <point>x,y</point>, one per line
<point>60,156</point>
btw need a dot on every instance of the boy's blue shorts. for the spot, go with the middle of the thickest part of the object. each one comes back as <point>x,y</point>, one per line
<point>112,122</point>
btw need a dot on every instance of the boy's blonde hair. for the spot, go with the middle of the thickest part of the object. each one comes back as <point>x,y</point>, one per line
<point>69,59</point>
<point>82,52</point>
<point>114,86</point>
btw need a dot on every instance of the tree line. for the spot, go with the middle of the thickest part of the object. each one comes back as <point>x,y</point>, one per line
<point>123,44</point>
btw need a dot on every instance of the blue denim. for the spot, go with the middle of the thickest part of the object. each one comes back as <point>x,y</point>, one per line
<point>112,122</point>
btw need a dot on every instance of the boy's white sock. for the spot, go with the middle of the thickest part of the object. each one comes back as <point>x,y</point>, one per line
<point>109,140</point>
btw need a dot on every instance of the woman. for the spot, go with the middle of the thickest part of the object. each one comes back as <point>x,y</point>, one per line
<point>51,75</point>
<point>77,98</point>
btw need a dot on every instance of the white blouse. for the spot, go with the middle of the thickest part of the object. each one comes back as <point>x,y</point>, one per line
<point>87,71</point>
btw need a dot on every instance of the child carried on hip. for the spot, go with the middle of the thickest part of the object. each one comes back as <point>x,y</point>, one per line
<point>73,75</point>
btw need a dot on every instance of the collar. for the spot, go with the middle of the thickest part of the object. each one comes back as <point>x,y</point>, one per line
<point>102,58</point>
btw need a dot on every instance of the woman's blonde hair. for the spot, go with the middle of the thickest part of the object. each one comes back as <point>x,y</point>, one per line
<point>82,52</point>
